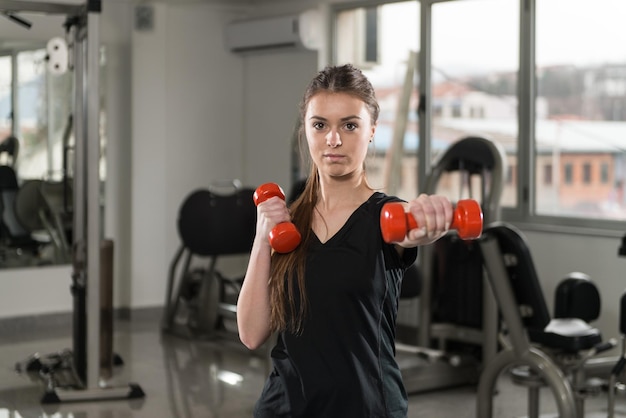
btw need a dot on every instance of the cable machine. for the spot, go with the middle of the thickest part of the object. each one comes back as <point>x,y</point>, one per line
<point>84,361</point>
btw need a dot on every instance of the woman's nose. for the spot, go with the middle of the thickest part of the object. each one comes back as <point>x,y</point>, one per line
<point>333,139</point>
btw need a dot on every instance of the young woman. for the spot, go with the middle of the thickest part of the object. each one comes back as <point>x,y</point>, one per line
<point>334,300</point>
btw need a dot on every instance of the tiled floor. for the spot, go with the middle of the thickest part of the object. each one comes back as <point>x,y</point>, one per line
<point>189,379</point>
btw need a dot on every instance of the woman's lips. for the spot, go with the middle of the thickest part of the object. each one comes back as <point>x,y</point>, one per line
<point>333,157</point>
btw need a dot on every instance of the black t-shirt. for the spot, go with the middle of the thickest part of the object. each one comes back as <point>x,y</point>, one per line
<point>343,363</point>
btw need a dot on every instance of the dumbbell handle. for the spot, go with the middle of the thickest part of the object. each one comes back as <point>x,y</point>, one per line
<point>284,237</point>
<point>395,223</point>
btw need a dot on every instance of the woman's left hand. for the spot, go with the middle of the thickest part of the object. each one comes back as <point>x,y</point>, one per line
<point>433,215</point>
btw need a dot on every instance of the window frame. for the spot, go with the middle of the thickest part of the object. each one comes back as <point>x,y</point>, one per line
<point>523,214</point>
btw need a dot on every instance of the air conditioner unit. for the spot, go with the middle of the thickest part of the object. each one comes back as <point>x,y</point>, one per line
<point>282,32</point>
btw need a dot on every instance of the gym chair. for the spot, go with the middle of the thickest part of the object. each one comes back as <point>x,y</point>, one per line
<point>15,239</point>
<point>57,215</point>
<point>28,204</point>
<point>538,350</point>
<point>201,301</point>
<point>44,208</point>
<point>9,149</point>
<point>457,324</point>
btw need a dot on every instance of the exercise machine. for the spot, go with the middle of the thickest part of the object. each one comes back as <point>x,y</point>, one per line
<point>213,223</point>
<point>540,350</point>
<point>82,373</point>
<point>458,320</point>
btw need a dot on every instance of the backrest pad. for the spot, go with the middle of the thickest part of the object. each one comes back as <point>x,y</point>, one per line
<point>522,274</point>
<point>215,224</point>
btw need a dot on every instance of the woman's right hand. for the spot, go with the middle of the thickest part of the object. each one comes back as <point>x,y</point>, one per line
<point>269,214</point>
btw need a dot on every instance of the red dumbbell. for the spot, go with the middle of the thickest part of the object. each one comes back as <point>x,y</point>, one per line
<point>284,237</point>
<point>395,223</point>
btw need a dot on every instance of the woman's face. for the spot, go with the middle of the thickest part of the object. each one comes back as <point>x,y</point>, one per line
<point>338,129</point>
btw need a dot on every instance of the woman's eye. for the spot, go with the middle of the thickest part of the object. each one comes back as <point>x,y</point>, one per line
<point>318,125</point>
<point>351,126</point>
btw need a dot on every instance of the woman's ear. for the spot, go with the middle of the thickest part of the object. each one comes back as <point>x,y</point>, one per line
<point>373,132</point>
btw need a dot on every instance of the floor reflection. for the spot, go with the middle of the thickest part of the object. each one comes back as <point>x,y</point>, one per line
<point>180,377</point>
<point>185,378</point>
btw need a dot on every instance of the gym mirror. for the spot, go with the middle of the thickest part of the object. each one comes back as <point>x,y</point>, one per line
<point>36,147</point>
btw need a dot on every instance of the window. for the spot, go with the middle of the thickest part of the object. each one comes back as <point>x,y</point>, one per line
<point>358,36</point>
<point>44,102</point>
<point>510,175</point>
<point>568,175</point>
<point>392,165</point>
<point>474,79</point>
<point>371,34</point>
<point>555,100</point>
<point>581,83</point>
<point>6,96</point>
<point>604,173</point>
<point>587,173</point>
<point>547,174</point>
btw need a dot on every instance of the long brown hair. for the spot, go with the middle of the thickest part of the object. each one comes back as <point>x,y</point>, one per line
<point>287,285</point>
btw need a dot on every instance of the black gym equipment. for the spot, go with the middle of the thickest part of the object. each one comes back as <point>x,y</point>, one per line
<point>83,373</point>
<point>213,223</point>
<point>458,321</point>
<point>11,147</point>
<point>538,350</point>
<point>15,237</point>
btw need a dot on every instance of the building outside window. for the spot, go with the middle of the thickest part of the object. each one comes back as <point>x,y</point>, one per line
<point>581,76</point>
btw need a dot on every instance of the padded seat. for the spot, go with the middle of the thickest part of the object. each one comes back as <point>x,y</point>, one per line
<point>567,334</point>
<point>559,334</point>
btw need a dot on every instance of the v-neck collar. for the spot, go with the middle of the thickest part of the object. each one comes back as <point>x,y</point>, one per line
<point>346,226</point>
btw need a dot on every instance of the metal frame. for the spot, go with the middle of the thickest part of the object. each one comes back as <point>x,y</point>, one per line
<point>85,23</point>
<point>521,352</point>
<point>572,376</point>
<point>455,369</point>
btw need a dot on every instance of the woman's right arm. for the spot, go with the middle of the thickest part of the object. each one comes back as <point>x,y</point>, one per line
<point>253,304</point>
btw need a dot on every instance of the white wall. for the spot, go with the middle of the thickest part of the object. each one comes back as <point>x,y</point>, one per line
<point>33,291</point>
<point>556,255</point>
<point>201,114</point>
<point>274,86</point>
<point>184,112</point>
<point>187,130</point>
<point>116,29</point>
